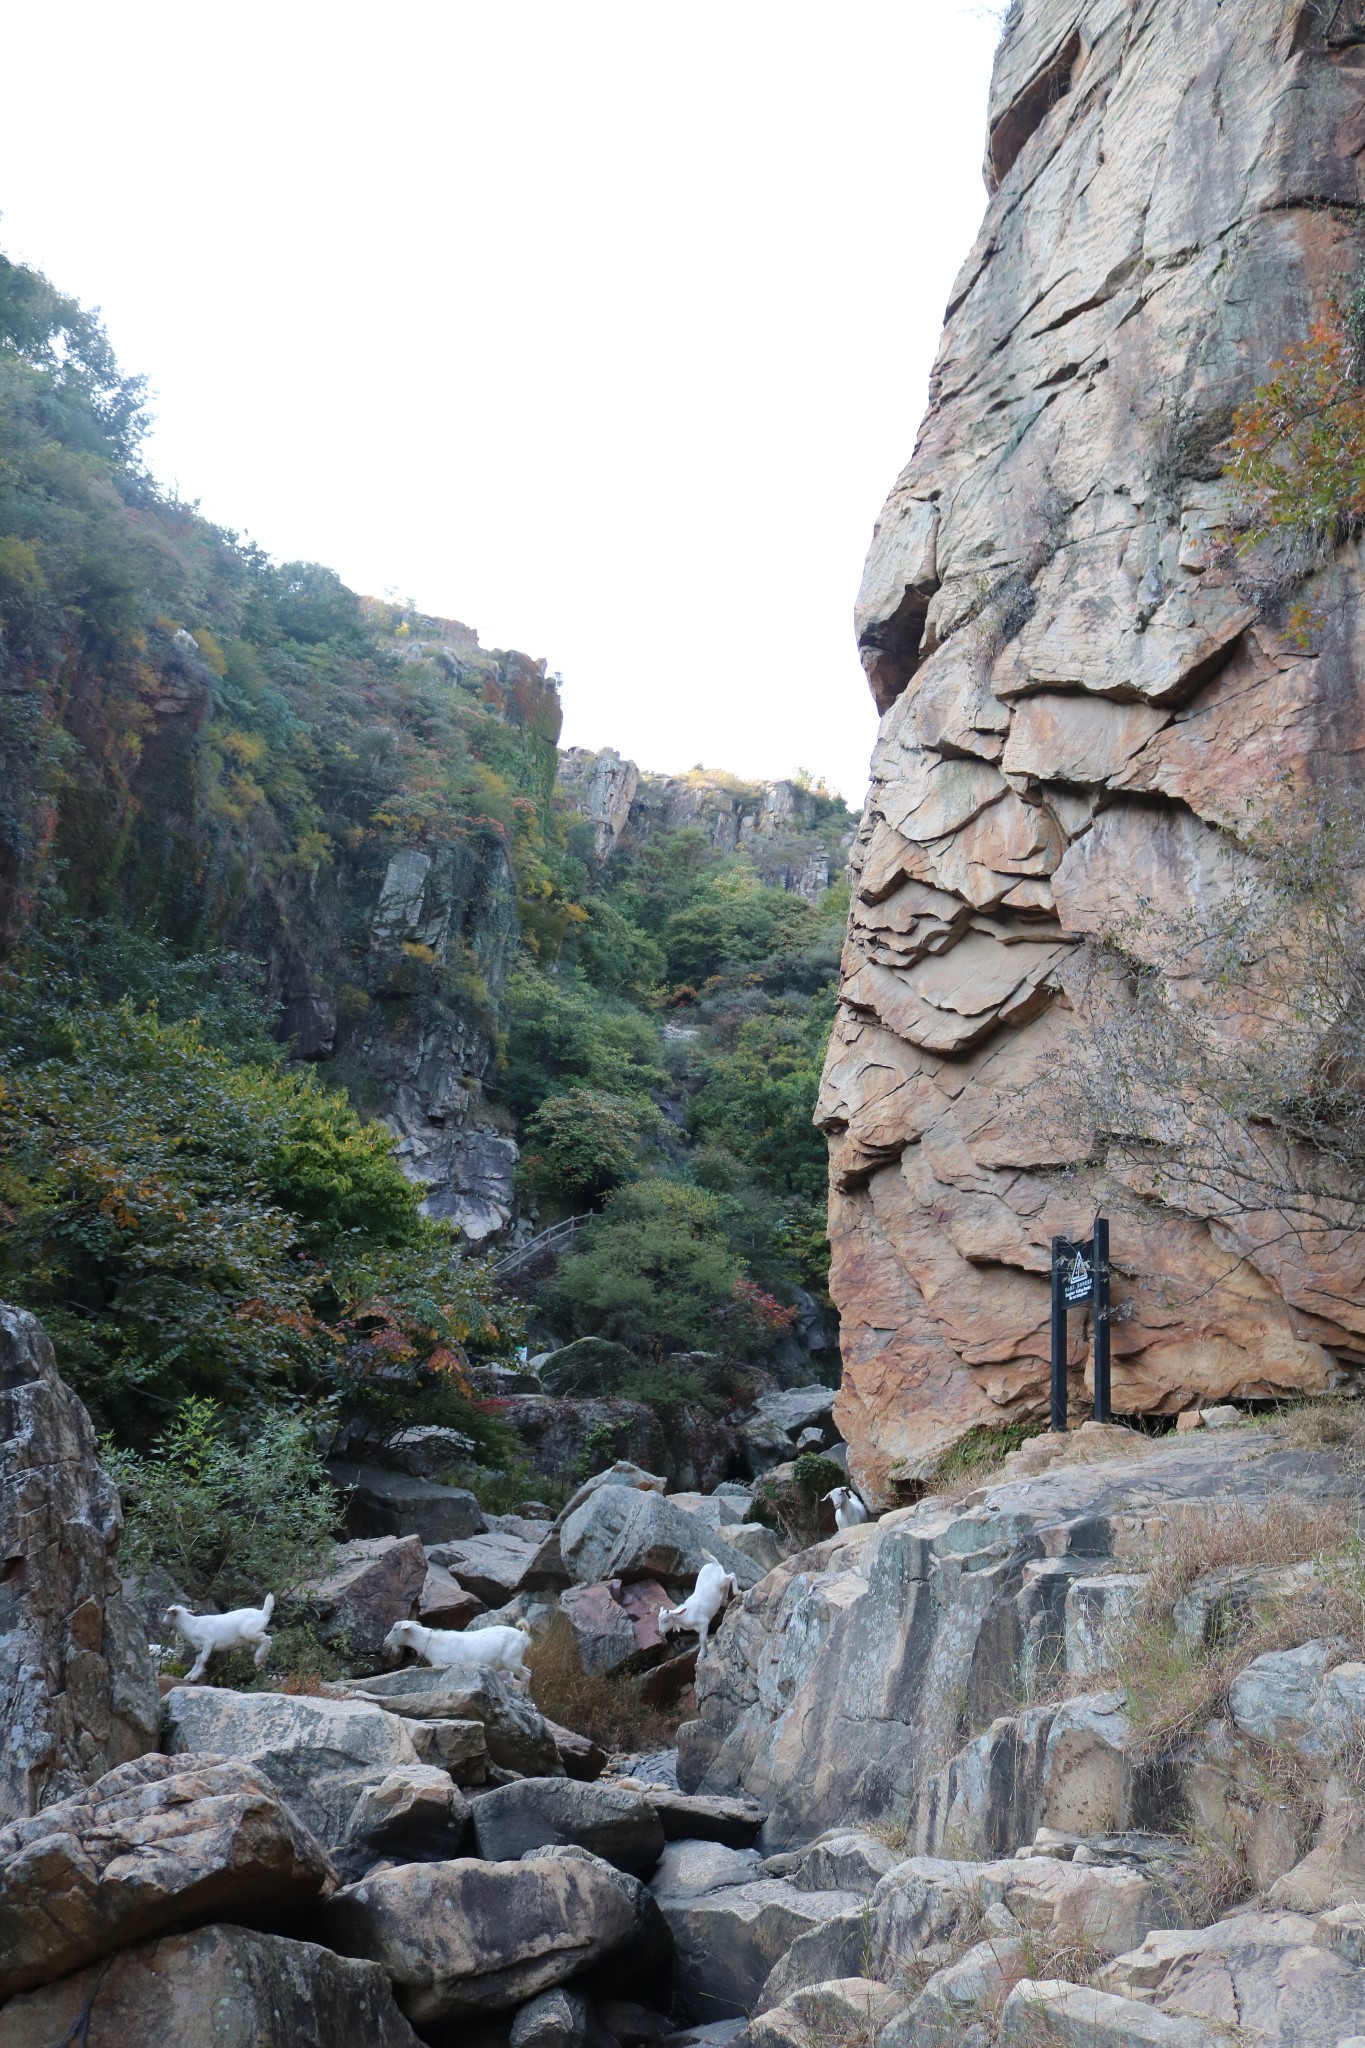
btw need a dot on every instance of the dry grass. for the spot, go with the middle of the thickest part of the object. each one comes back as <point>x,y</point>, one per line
<point>608,1710</point>
<point>1176,1687</point>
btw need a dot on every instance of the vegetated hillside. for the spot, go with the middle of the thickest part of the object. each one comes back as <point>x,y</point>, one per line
<point>277,862</point>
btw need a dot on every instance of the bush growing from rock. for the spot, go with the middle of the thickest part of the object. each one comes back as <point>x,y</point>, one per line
<point>226,1522</point>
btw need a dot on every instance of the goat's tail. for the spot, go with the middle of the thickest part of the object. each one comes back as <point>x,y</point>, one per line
<point>524,1627</point>
<point>268,1605</point>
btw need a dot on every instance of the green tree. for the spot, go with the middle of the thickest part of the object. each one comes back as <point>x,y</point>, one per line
<point>582,1144</point>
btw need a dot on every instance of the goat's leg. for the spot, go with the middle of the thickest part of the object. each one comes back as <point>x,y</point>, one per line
<point>702,1633</point>
<point>262,1652</point>
<point>199,1667</point>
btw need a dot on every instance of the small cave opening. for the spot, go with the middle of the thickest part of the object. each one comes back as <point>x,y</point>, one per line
<point>890,652</point>
<point>1029,109</point>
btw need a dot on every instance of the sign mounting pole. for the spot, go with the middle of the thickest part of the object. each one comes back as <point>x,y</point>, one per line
<point>1100,1316</point>
<point>1060,1247</point>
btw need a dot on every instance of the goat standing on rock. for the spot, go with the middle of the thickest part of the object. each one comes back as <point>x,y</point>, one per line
<point>503,1649</point>
<point>243,1629</point>
<point>713,1588</point>
<point>849,1512</point>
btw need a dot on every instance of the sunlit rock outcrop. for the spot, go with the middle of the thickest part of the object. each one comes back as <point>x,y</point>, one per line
<point>1078,699</point>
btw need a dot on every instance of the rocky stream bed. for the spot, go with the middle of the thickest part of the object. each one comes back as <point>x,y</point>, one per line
<point>912,1806</point>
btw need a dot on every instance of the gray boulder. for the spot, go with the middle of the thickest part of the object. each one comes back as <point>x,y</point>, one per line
<point>492,1566</point>
<point>688,1817</point>
<point>794,1409</point>
<point>369,1585</point>
<point>556,2019</point>
<point>728,1941</point>
<point>688,1869</point>
<point>444,1603</point>
<point>622,1533</point>
<point>384,1503</point>
<point>516,1733</point>
<point>755,1541</point>
<point>156,1841</point>
<point>465,1937</point>
<point>76,1676</point>
<point>1074,2016</point>
<point>622,1473</point>
<point>1282,1698</point>
<point>643,1966</point>
<point>516,1820</point>
<point>844,1860</point>
<point>848,2009</point>
<point>1288,1977</point>
<point>329,1758</point>
<point>222,1985</point>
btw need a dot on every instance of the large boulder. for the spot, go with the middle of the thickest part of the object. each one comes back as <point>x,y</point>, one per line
<point>225,1985</point>
<point>848,2009</point>
<point>1287,1977</point>
<point>466,1937</point>
<point>616,1627</point>
<point>643,1966</point>
<point>622,1473</point>
<point>685,1817</point>
<point>620,1532</point>
<point>77,1683</point>
<point>516,1733</point>
<point>840,1675</point>
<point>493,1567</point>
<point>728,1940</point>
<point>369,1585</point>
<point>1075,2016</point>
<point>620,1827</point>
<point>155,1842</point>
<point>367,1782</point>
<point>555,1432</point>
<point>384,1503</point>
<point>444,1603</point>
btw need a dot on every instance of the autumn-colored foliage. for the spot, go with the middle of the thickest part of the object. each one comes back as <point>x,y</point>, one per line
<point>1298,444</point>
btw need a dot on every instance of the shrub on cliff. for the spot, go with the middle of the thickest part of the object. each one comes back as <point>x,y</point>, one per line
<point>583,1143</point>
<point>189,1222</point>
<point>653,1273</point>
<point>226,1520</point>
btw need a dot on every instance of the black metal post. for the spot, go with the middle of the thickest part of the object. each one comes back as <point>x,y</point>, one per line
<point>1099,1297</point>
<point>1060,1247</point>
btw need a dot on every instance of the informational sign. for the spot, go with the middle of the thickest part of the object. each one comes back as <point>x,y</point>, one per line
<point>1078,1273</point>
<point>1080,1279</point>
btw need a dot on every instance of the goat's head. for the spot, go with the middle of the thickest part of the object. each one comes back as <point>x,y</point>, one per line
<point>402,1636</point>
<point>838,1494</point>
<point>173,1617</point>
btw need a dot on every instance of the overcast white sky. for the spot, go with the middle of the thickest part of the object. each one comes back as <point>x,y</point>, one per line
<point>601,325</point>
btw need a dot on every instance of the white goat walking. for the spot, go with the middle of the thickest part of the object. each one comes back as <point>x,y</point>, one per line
<point>849,1512</point>
<point>209,1634</point>
<point>713,1588</point>
<point>501,1648</point>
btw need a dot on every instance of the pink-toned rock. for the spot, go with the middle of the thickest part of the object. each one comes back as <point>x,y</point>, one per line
<point>1079,700</point>
<point>443,1602</point>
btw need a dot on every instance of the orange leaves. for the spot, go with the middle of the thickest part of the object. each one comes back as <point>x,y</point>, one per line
<point>1298,444</point>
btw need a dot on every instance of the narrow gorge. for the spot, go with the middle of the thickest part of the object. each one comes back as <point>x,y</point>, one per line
<point>479,1566</point>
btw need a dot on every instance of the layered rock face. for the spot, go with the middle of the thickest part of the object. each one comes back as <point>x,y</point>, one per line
<point>773,822</point>
<point>77,1686</point>
<point>1078,702</point>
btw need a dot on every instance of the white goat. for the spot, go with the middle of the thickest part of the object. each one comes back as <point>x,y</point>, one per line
<point>501,1648</point>
<point>849,1511</point>
<point>208,1634</point>
<point>713,1588</point>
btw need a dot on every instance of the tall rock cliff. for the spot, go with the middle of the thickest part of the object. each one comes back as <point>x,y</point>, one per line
<point>1078,699</point>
